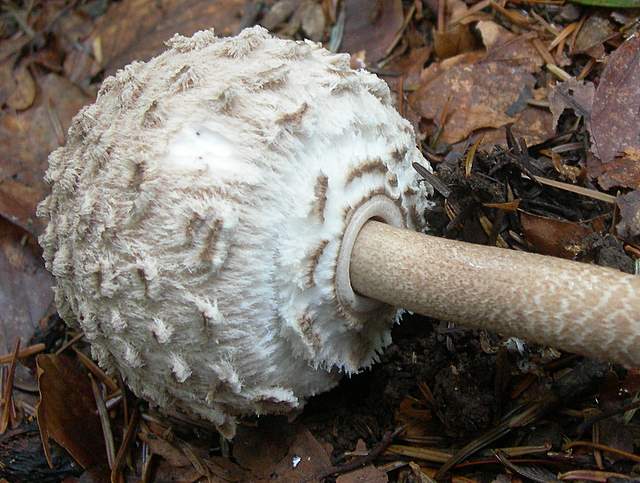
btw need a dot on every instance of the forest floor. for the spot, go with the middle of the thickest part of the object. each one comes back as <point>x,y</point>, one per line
<point>529,113</point>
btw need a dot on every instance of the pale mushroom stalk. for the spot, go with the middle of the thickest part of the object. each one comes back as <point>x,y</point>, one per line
<point>573,306</point>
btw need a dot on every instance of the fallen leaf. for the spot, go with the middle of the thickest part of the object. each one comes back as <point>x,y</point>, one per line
<point>163,448</point>
<point>623,171</point>
<point>596,30</point>
<point>313,21</point>
<point>370,27</point>
<point>454,39</point>
<point>260,449</point>
<point>571,94</point>
<point>478,93</point>
<point>615,118</point>
<point>629,226</point>
<point>485,91</point>
<point>18,205</point>
<point>533,125</point>
<point>67,411</point>
<point>549,236</point>
<point>505,46</point>
<point>137,29</point>
<point>410,66</point>
<point>24,89</point>
<point>615,435</point>
<point>21,158</point>
<point>279,13</point>
<point>282,452</point>
<point>25,286</point>
<point>163,472</point>
<point>368,474</point>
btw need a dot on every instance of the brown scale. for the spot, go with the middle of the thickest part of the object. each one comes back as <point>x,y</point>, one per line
<point>139,170</point>
<point>320,194</point>
<point>306,326</point>
<point>143,278</point>
<point>186,78</point>
<point>398,155</point>
<point>224,102</point>
<point>371,166</point>
<point>314,258</point>
<point>191,227</point>
<point>210,241</point>
<point>151,117</point>
<point>293,118</point>
<point>208,192</point>
<point>270,79</point>
<point>409,191</point>
<point>98,280</point>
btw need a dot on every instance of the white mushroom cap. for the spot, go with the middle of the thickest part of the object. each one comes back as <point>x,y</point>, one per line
<point>197,214</point>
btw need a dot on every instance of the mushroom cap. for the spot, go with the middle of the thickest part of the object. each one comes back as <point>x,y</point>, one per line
<point>197,215</point>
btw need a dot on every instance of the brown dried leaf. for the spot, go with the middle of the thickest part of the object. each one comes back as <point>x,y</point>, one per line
<point>452,42</point>
<point>21,157</point>
<point>24,89</point>
<point>18,205</point>
<point>371,27</point>
<point>479,95</point>
<point>163,472</point>
<point>454,39</point>
<point>596,30</point>
<point>312,20</point>
<point>67,411</point>
<point>629,205</point>
<point>25,286</point>
<point>572,94</point>
<point>504,46</point>
<point>533,124</point>
<point>282,452</point>
<point>173,455</point>
<point>485,91</point>
<point>368,474</point>
<point>260,449</point>
<point>137,29</point>
<point>615,118</point>
<point>279,12</point>
<point>410,66</point>
<point>558,238</point>
<point>623,171</point>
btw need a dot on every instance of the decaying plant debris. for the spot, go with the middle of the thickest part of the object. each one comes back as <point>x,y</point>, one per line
<point>528,114</point>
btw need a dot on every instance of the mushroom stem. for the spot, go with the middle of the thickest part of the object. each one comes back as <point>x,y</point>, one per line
<point>573,306</point>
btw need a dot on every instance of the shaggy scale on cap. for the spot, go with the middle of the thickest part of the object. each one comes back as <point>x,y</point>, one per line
<point>197,215</point>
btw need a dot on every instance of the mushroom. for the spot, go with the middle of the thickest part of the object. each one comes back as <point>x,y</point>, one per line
<point>234,224</point>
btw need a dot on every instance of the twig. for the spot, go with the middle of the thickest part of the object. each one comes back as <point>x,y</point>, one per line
<point>24,353</point>
<point>126,442</point>
<point>576,189</point>
<point>607,414</point>
<point>69,343</point>
<point>398,36</point>
<point>8,391</point>
<point>605,448</point>
<point>96,371</point>
<point>364,460</point>
<point>104,421</point>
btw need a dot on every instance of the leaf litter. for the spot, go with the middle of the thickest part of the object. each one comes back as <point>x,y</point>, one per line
<point>528,113</point>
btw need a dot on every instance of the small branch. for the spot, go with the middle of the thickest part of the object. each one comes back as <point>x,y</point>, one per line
<point>364,460</point>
